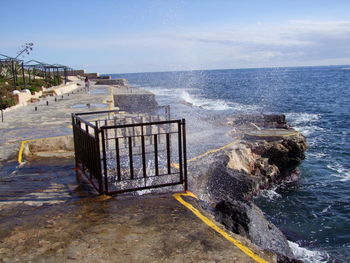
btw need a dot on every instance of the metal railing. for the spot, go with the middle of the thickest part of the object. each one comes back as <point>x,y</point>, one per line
<point>141,154</point>
<point>87,151</point>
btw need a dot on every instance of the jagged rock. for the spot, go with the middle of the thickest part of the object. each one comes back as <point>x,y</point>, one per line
<point>233,215</point>
<point>239,172</point>
<point>229,191</point>
<point>213,181</point>
<point>284,259</point>
<point>284,152</point>
<point>265,234</point>
<point>228,179</point>
<point>248,220</point>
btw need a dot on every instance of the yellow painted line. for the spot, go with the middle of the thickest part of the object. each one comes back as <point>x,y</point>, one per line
<point>273,135</point>
<point>176,165</point>
<point>211,224</point>
<point>20,151</point>
<point>23,144</point>
<point>213,151</point>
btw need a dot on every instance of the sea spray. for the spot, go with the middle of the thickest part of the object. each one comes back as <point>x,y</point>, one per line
<point>308,256</point>
<point>315,101</point>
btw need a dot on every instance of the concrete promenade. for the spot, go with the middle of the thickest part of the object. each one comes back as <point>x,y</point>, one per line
<point>25,123</point>
<point>46,216</point>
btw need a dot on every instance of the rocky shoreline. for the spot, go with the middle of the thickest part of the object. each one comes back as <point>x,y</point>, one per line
<point>266,153</point>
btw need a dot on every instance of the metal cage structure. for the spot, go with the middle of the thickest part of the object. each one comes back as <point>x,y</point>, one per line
<point>47,71</point>
<point>12,65</point>
<point>117,155</point>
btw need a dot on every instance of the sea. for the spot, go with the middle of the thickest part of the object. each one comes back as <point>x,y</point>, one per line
<point>314,213</point>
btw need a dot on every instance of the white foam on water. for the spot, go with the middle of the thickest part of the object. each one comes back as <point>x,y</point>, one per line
<point>298,118</point>
<point>308,130</point>
<point>215,104</point>
<point>166,92</point>
<point>270,194</point>
<point>306,123</point>
<point>208,104</point>
<point>326,209</point>
<point>197,101</point>
<point>341,172</point>
<point>317,155</point>
<point>308,256</point>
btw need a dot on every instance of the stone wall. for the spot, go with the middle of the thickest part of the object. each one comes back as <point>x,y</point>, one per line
<point>91,75</point>
<point>23,97</point>
<point>138,102</point>
<point>80,72</point>
<point>64,89</point>
<point>61,146</point>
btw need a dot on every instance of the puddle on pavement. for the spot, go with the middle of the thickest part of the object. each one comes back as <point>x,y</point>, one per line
<point>7,169</point>
<point>40,182</point>
<point>98,91</point>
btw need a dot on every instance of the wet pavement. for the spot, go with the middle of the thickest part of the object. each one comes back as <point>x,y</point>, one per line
<point>70,226</point>
<point>50,120</point>
<point>39,182</point>
<point>47,216</point>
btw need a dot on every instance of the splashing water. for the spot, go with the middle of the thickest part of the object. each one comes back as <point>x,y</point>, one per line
<point>315,101</point>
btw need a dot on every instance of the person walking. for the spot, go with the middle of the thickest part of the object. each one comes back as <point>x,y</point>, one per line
<point>87,83</point>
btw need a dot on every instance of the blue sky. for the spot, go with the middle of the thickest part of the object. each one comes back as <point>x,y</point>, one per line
<point>163,35</point>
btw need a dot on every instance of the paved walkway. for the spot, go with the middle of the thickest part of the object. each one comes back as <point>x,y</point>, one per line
<point>52,220</point>
<point>46,218</point>
<point>26,123</point>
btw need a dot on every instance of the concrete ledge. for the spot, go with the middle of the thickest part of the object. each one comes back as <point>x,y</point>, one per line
<point>61,146</point>
<point>135,100</point>
<point>23,97</point>
<point>64,89</point>
<point>91,75</point>
<point>120,82</point>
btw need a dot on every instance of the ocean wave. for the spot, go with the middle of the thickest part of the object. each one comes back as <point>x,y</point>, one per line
<point>167,92</point>
<point>200,102</point>
<point>298,118</point>
<point>306,123</point>
<point>307,130</point>
<point>341,172</point>
<point>308,256</point>
<point>160,91</point>
<point>208,104</point>
<point>270,194</point>
<point>215,104</point>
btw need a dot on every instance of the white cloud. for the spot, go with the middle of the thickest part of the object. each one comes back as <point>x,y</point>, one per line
<point>292,43</point>
<point>256,45</point>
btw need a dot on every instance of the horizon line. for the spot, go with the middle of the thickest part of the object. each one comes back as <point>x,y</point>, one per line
<point>189,70</point>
